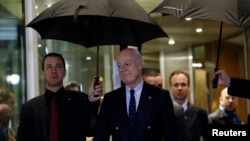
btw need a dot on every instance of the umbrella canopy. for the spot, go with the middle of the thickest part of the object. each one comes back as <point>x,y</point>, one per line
<point>170,7</point>
<point>230,11</point>
<point>97,22</point>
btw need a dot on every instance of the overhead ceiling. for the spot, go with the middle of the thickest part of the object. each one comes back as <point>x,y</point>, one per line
<point>183,32</point>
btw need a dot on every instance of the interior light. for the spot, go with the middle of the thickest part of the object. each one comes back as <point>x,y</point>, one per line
<point>171,41</point>
<point>198,30</point>
<point>88,58</point>
<point>197,65</point>
<point>188,19</point>
<point>13,79</point>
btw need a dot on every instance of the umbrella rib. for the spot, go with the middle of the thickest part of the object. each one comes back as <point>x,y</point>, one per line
<point>77,11</point>
<point>219,45</point>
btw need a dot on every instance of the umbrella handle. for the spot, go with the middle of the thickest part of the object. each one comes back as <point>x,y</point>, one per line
<point>96,80</point>
<point>215,81</point>
<point>96,83</point>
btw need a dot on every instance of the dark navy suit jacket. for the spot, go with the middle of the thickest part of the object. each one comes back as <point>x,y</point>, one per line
<point>154,120</point>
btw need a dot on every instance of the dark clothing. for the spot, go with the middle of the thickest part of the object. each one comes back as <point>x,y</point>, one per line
<point>218,117</point>
<point>239,87</point>
<point>197,122</point>
<point>76,117</point>
<point>154,119</point>
<point>248,119</point>
<point>3,133</point>
<point>183,130</point>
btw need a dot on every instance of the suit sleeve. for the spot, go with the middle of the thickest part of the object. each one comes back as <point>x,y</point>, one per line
<point>23,131</point>
<point>102,131</point>
<point>204,125</point>
<point>239,87</point>
<point>90,114</point>
<point>169,118</point>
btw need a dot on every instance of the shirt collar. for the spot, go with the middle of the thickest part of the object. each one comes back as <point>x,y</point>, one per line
<point>184,105</point>
<point>136,88</point>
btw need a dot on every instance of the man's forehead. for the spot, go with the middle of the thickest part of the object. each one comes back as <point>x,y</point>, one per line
<point>124,61</point>
<point>179,79</point>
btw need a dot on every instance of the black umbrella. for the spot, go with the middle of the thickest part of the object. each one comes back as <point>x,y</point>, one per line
<point>230,11</point>
<point>235,12</point>
<point>97,22</point>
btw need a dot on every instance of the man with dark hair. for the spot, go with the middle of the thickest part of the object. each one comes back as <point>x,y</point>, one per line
<point>58,114</point>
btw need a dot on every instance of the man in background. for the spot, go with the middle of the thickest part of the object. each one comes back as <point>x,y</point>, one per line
<point>226,113</point>
<point>196,117</point>
<point>153,77</point>
<point>72,85</point>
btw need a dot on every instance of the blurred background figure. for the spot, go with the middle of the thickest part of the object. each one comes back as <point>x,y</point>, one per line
<point>5,117</point>
<point>72,85</point>
<point>152,77</point>
<point>8,97</point>
<point>226,113</point>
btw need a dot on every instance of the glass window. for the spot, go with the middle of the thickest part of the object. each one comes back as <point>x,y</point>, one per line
<point>12,63</point>
<point>81,62</point>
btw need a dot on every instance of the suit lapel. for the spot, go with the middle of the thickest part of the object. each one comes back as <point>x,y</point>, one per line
<point>43,117</point>
<point>145,100</point>
<point>122,114</point>
<point>144,110</point>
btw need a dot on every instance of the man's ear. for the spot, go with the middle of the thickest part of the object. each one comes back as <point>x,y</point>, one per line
<point>141,65</point>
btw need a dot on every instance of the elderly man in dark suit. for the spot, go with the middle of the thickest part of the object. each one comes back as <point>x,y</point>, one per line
<point>152,117</point>
<point>59,114</point>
